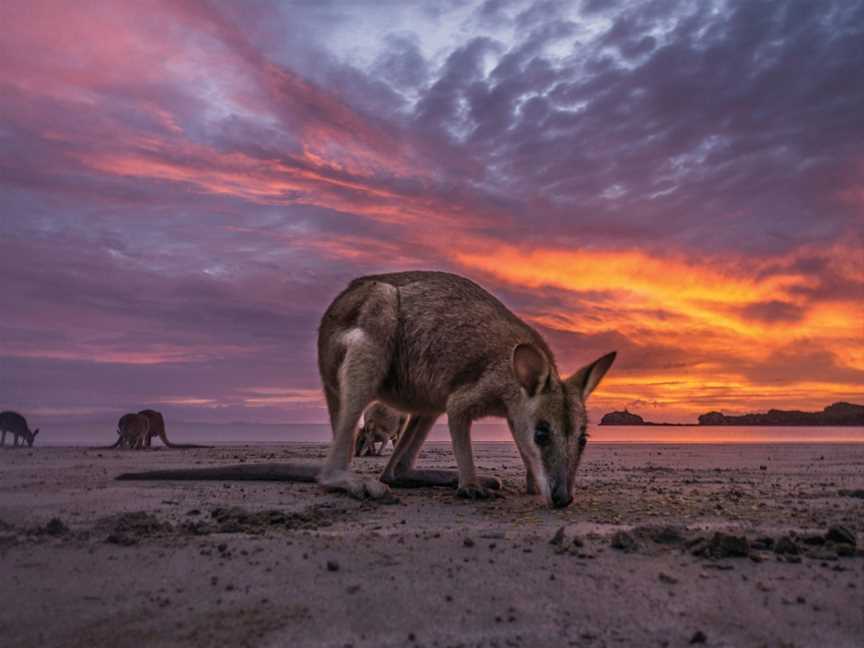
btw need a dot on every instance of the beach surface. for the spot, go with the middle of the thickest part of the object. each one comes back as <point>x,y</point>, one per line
<point>665,545</point>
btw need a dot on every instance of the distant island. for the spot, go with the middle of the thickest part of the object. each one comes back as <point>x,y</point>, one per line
<point>837,414</point>
<point>628,418</point>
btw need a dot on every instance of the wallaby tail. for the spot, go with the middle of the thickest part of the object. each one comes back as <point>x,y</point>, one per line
<point>182,446</point>
<point>239,472</point>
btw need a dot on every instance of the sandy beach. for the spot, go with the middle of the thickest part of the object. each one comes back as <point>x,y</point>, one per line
<point>665,545</point>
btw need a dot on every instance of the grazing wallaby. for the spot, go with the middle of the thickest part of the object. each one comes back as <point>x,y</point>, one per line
<point>380,425</point>
<point>16,424</point>
<point>429,343</point>
<point>156,425</point>
<point>135,431</point>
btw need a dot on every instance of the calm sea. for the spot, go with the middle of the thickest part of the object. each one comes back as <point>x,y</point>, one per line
<point>94,434</point>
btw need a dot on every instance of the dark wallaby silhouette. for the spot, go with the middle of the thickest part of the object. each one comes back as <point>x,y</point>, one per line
<point>135,431</point>
<point>16,424</point>
<point>429,343</point>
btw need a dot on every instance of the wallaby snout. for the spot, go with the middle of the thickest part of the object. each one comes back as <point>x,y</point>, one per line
<point>561,483</point>
<point>551,425</point>
<point>560,496</point>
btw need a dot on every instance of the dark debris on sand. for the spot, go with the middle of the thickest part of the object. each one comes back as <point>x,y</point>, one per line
<point>661,534</point>
<point>854,492</point>
<point>836,542</point>
<point>54,527</point>
<point>624,541</point>
<point>239,520</point>
<point>128,529</point>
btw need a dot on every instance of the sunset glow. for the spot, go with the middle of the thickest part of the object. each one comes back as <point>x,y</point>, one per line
<point>187,185</point>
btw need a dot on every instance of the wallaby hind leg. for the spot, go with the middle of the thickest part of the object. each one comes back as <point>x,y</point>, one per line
<point>360,375</point>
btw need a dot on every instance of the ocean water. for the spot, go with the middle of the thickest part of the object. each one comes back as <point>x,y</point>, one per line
<point>100,434</point>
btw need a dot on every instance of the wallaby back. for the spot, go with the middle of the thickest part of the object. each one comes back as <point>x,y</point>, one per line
<point>448,332</point>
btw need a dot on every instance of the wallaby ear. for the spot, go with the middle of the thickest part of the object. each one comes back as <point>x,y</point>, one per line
<point>530,367</point>
<point>588,377</point>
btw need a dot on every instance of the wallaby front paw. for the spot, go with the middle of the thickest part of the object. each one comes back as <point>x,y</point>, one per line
<point>354,486</point>
<point>475,492</point>
<point>375,489</point>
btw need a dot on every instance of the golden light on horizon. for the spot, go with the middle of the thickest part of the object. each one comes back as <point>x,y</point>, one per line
<point>722,316</point>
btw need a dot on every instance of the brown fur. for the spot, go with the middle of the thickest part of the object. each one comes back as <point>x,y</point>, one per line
<point>429,343</point>
<point>157,426</point>
<point>133,432</point>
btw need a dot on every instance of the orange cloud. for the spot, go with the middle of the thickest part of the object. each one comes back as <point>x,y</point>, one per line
<point>700,308</point>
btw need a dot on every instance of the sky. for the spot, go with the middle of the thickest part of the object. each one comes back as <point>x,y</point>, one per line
<point>185,186</point>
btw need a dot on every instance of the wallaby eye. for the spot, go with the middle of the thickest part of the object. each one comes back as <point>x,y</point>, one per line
<point>542,434</point>
<point>583,436</point>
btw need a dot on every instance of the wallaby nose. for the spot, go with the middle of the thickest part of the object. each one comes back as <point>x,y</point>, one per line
<point>561,501</point>
<point>561,497</point>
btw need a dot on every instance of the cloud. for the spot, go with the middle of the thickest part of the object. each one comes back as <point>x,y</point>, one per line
<point>185,193</point>
<point>773,311</point>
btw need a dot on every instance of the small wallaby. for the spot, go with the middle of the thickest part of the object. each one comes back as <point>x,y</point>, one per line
<point>157,428</point>
<point>380,425</point>
<point>135,431</point>
<point>16,424</point>
<point>429,343</point>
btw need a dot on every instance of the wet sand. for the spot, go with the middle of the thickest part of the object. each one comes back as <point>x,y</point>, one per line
<point>665,545</point>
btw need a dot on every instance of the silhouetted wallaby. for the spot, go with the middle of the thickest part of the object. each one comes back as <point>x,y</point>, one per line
<point>135,431</point>
<point>16,424</point>
<point>132,431</point>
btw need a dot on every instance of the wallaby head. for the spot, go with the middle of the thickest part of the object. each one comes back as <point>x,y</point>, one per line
<point>30,438</point>
<point>381,424</point>
<point>549,422</point>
